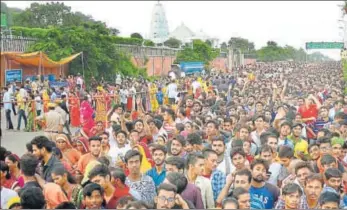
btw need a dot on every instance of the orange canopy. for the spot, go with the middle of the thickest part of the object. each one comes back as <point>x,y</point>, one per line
<point>38,59</point>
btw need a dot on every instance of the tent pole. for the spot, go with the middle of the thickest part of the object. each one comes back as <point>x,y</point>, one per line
<point>40,70</point>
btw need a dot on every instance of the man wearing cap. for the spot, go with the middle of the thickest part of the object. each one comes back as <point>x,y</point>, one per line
<point>300,145</point>
<point>63,114</point>
<point>54,122</point>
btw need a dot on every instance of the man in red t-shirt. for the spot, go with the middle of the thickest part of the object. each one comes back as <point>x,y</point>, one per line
<point>309,112</point>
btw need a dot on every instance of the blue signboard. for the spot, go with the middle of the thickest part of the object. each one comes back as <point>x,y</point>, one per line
<point>58,84</point>
<point>12,75</point>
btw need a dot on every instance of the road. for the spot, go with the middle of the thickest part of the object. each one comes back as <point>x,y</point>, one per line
<point>15,141</point>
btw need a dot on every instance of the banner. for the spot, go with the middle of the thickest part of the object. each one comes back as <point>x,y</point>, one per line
<point>58,85</point>
<point>12,75</point>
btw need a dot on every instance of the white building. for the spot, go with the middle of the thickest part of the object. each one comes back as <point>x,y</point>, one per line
<point>186,35</point>
<point>159,29</point>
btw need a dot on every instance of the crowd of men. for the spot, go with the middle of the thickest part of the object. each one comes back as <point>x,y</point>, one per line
<point>265,136</point>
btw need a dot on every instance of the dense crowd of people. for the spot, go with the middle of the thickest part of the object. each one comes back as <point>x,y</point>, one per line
<point>266,136</point>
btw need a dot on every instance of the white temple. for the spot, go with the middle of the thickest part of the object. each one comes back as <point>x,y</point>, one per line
<point>159,29</point>
<point>186,35</point>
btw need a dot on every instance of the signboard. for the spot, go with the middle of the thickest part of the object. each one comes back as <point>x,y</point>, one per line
<point>57,85</point>
<point>12,75</point>
<point>3,20</point>
<point>324,45</point>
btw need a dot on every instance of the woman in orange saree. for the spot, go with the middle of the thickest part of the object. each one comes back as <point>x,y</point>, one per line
<point>45,99</point>
<point>101,105</point>
<point>70,154</point>
<point>74,110</point>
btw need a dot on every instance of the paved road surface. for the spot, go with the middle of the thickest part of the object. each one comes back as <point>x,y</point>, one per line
<point>15,141</point>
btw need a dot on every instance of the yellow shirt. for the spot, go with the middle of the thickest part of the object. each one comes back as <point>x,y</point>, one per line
<point>20,101</point>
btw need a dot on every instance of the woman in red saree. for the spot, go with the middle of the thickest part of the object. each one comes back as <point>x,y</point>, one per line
<point>87,121</point>
<point>81,145</point>
<point>74,110</point>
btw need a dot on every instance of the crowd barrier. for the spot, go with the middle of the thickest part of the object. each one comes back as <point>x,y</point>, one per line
<point>108,100</point>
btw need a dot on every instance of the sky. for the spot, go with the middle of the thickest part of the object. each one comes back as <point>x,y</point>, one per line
<point>285,22</point>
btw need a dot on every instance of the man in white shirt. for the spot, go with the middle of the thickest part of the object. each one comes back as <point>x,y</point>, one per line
<point>7,107</point>
<point>123,92</point>
<point>117,153</point>
<point>38,103</point>
<point>195,86</point>
<point>172,92</point>
<point>79,80</point>
<point>267,154</point>
<point>6,195</point>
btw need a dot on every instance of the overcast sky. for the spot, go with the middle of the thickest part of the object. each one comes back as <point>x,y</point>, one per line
<point>285,22</point>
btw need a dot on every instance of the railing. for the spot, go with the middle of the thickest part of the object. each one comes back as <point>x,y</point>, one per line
<point>144,51</point>
<point>15,43</point>
<point>141,51</point>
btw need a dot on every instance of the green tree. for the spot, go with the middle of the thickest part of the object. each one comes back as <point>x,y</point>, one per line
<point>200,51</point>
<point>173,43</point>
<point>224,46</point>
<point>240,43</point>
<point>99,52</point>
<point>136,36</point>
<point>49,14</point>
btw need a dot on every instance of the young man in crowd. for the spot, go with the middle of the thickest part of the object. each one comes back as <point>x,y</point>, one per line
<point>224,161</point>
<point>167,198</point>
<point>28,163</point>
<point>177,147</point>
<point>313,187</point>
<point>93,196</point>
<point>158,172</point>
<point>101,175</point>
<point>266,192</point>
<point>42,149</point>
<point>136,181</point>
<point>211,172</point>
<point>194,172</point>
<point>194,199</point>
<point>95,149</point>
<point>291,194</point>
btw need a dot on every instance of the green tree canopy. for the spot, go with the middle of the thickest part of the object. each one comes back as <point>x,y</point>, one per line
<point>200,51</point>
<point>47,15</point>
<point>173,43</point>
<point>93,39</point>
<point>241,43</point>
<point>136,35</point>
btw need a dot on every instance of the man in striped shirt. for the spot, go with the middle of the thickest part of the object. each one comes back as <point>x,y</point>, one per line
<point>322,120</point>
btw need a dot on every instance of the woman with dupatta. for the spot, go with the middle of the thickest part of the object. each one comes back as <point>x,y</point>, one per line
<point>54,195</point>
<point>166,97</point>
<point>70,155</point>
<point>31,109</point>
<point>101,105</point>
<point>74,107</point>
<point>81,145</point>
<point>152,95</point>
<point>87,121</point>
<point>45,98</point>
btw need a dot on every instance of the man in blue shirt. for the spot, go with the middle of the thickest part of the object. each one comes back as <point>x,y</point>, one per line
<point>264,191</point>
<point>158,172</point>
